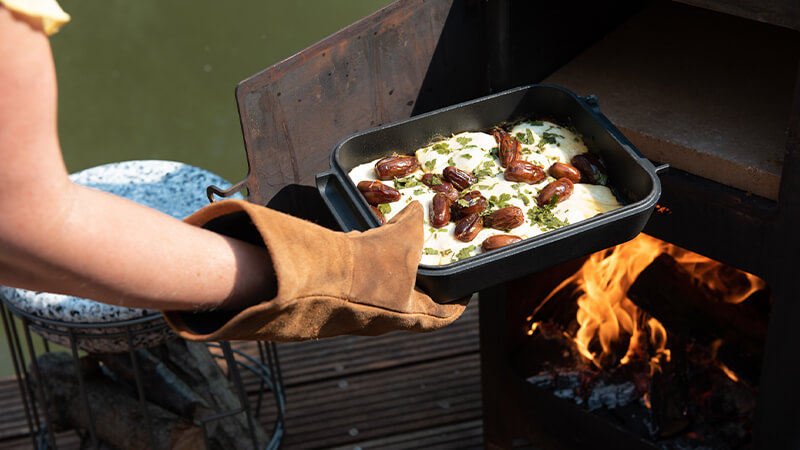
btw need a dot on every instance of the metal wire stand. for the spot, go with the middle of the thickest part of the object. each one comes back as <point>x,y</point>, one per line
<point>265,368</point>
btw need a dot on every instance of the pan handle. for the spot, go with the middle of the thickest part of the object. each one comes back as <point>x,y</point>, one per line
<point>591,102</point>
<point>212,190</point>
<point>335,197</point>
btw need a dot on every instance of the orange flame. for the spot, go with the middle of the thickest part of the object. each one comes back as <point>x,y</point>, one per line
<point>607,317</point>
<point>735,284</point>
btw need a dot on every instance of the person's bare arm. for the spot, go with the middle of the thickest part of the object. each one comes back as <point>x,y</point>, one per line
<point>59,237</point>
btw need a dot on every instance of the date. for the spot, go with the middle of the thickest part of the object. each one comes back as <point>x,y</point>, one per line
<point>468,227</point>
<point>498,134</point>
<point>592,170</point>
<point>560,189</point>
<point>378,214</point>
<point>524,172</point>
<point>377,193</point>
<point>564,170</point>
<point>469,203</point>
<point>498,241</point>
<point>505,219</point>
<point>458,178</point>
<point>440,210</point>
<point>396,166</point>
<point>507,146</point>
<point>508,150</point>
<point>436,183</point>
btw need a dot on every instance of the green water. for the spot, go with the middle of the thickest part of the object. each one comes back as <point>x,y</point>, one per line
<point>149,79</point>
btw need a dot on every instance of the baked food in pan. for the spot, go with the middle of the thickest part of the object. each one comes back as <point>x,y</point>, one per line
<point>484,190</point>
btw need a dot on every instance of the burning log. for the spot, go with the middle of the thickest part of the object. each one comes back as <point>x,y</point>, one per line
<point>692,311</point>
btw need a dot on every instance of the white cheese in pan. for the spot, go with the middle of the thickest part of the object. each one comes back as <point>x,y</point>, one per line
<point>542,143</point>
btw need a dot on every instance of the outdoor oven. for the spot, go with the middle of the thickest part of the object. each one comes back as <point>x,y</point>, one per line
<point>707,206</point>
<point>713,90</point>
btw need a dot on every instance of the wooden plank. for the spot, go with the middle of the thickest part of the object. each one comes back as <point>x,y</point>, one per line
<point>67,440</point>
<point>376,404</point>
<point>409,57</point>
<point>461,435</point>
<point>13,421</point>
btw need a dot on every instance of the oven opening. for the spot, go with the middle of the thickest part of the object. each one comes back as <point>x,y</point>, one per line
<point>654,339</point>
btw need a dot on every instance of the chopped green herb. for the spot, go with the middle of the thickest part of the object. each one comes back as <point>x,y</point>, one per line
<point>501,202</point>
<point>544,218</point>
<point>537,123</point>
<point>550,138</point>
<point>435,180</point>
<point>518,185</point>
<point>529,136</point>
<point>463,140</point>
<point>471,146</point>
<point>450,162</point>
<point>430,251</point>
<point>430,164</point>
<point>407,182</point>
<point>463,203</point>
<point>441,148</point>
<point>483,172</point>
<point>465,252</point>
<point>446,251</point>
<point>526,137</point>
<point>524,198</point>
<point>494,151</point>
<point>601,179</point>
<point>419,191</point>
<point>385,208</point>
<point>466,156</point>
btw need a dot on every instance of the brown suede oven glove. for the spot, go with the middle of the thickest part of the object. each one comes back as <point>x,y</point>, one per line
<point>329,283</point>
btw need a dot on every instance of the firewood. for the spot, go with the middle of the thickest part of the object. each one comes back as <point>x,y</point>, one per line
<point>117,415</point>
<point>184,378</point>
<point>693,312</point>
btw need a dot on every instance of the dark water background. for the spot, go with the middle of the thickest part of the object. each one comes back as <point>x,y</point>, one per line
<point>146,79</point>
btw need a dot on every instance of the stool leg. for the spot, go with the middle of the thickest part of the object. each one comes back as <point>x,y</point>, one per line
<point>233,369</point>
<point>137,375</point>
<point>82,389</point>
<point>37,374</point>
<point>16,352</point>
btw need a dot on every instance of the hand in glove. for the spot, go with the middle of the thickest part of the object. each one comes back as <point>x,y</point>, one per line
<point>329,283</point>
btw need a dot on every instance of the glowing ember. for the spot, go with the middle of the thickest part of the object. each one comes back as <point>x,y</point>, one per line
<point>610,322</point>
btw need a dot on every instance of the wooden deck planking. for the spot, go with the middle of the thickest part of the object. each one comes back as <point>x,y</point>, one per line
<point>400,390</point>
<point>379,404</point>
<point>304,362</point>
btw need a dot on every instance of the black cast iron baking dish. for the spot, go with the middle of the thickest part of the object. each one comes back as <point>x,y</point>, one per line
<point>633,178</point>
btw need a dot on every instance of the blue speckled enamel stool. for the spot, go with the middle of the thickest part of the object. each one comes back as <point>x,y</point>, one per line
<point>80,324</point>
